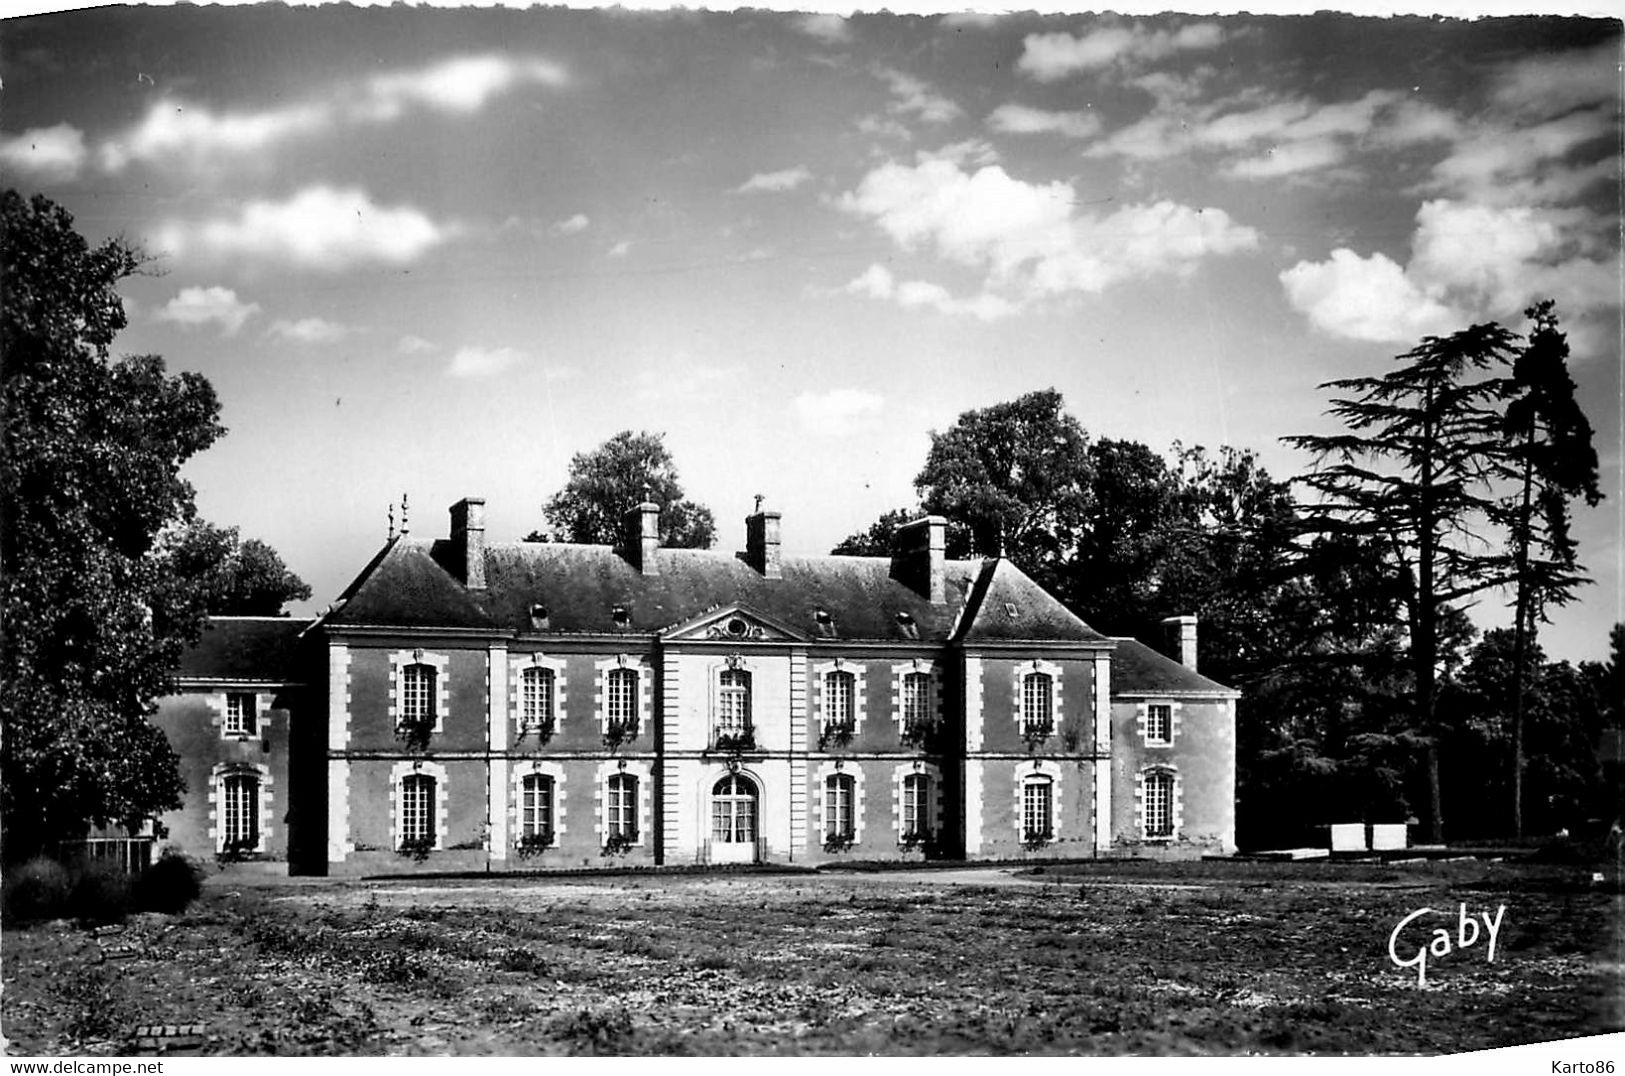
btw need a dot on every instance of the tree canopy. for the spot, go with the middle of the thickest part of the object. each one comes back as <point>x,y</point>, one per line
<point>89,480</point>
<point>228,575</point>
<point>615,477</point>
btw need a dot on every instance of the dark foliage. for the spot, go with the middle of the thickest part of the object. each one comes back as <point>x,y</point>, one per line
<point>614,478</point>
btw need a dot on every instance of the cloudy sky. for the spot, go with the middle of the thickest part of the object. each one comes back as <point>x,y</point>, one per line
<point>438,252</point>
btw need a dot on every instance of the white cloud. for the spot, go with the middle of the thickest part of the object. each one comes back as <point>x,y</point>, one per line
<point>459,85</point>
<point>572,225</point>
<point>208,306</point>
<point>1468,262</point>
<point>884,127</point>
<point>1020,119</point>
<point>319,228</point>
<point>1508,163</point>
<point>482,361</point>
<point>970,152</point>
<point>835,411</point>
<point>1292,158</point>
<point>183,134</point>
<point>1365,299</point>
<point>828,28</point>
<point>912,97</point>
<point>1053,56</point>
<point>877,282</point>
<point>309,331</point>
<point>621,249</point>
<point>53,154</point>
<point>177,133</point>
<point>787,179</point>
<point>413,345</point>
<point>1031,234</point>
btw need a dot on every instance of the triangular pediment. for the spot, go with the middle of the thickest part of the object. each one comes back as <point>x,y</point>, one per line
<point>733,624</point>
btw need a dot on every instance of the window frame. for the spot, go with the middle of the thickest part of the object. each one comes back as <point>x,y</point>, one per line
<point>1033,788</point>
<point>530,813</point>
<point>238,725</point>
<point>1163,778</point>
<point>621,792</point>
<point>840,794</point>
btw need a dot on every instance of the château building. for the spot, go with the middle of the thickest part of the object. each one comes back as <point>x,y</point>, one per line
<point>468,705</point>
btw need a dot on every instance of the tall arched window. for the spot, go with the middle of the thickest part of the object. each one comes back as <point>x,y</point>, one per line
<point>622,701</point>
<point>1159,804</point>
<point>536,808</point>
<point>733,707</point>
<point>240,812</point>
<point>621,816</point>
<point>1037,809</point>
<point>417,809</point>
<point>536,699</point>
<point>1037,705</point>
<point>916,805</point>
<point>840,799</point>
<point>418,694</point>
<point>839,691</point>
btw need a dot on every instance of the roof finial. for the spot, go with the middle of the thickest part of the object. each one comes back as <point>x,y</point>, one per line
<point>404,528</point>
<point>392,519</point>
<point>759,500</point>
<point>648,493</point>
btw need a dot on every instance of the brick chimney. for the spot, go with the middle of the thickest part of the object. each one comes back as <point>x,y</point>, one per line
<point>919,555</point>
<point>1179,639</point>
<point>468,540</point>
<point>762,544</point>
<point>641,526</point>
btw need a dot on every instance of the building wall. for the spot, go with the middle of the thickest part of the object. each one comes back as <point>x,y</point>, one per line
<point>1202,755</point>
<point>192,722</point>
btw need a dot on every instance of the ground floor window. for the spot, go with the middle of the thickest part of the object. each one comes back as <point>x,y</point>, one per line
<point>1038,809</point>
<point>840,793</point>
<point>622,818</point>
<point>536,808</point>
<point>1159,804</point>
<point>417,810</point>
<point>916,805</point>
<point>240,812</point>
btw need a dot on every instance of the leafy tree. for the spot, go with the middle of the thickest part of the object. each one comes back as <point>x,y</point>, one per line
<point>878,540</point>
<point>227,575</point>
<point>1553,461</point>
<point>1016,475</point>
<point>1413,473</point>
<point>90,477</point>
<point>615,477</point>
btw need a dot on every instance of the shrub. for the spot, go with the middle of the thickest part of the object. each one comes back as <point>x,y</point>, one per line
<point>169,885</point>
<point>100,893</point>
<point>36,890</point>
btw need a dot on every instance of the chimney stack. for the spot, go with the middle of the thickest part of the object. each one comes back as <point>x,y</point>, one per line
<point>918,558</point>
<point>468,540</point>
<point>762,544</point>
<point>1179,634</point>
<point>642,530</point>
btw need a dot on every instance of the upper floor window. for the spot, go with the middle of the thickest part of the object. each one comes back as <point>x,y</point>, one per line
<point>242,718</point>
<point>1159,723</point>
<point>536,695</point>
<point>1158,800</point>
<point>622,701</point>
<point>1037,705</point>
<point>839,691</point>
<point>916,699</point>
<point>418,694</point>
<point>733,725</point>
<point>417,810</point>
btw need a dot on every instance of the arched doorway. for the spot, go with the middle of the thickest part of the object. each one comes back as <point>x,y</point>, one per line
<point>733,820</point>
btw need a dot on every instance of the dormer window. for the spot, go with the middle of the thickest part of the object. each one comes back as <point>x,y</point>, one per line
<point>825,623</point>
<point>538,617</point>
<point>621,615</point>
<point>906,621</point>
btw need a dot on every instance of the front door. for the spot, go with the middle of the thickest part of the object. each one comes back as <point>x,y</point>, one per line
<point>733,820</point>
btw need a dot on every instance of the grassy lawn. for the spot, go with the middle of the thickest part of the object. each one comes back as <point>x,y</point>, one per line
<point>1098,959</point>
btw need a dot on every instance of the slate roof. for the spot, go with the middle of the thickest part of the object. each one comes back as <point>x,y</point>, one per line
<point>246,648</point>
<point>1138,669</point>
<point>408,585</point>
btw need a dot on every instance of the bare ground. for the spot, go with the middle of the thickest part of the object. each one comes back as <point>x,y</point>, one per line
<point>1098,959</point>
